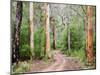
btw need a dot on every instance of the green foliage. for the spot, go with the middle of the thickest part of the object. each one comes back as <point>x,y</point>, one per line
<point>21,67</point>
<point>24,34</point>
<point>60,33</point>
<point>59,44</point>
<point>25,52</point>
<point>94,43</point>
<point>64,38</point>
<point>74,38</point>
<point>39,34</point>
<point>39,41</point>
<point>77,36</point>
<point>80,54</point>
<point>77,40</point>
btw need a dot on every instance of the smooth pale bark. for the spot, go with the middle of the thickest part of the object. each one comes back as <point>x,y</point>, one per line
<point>47,30</point>
<point>90,35</point>
<point>16,40</point>
<point>31,29</point>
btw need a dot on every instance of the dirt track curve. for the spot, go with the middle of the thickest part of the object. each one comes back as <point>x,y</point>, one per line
<point>63,63</point>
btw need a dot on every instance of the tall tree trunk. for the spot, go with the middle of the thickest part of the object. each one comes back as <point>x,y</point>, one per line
<point>90,36</point>
<point>68,28</point>
<point>16,40</point>
<point>86,32</point>
<point>31,30</point>
<point>54,36</point>
<point>53,27</point>
<point>47,30</point>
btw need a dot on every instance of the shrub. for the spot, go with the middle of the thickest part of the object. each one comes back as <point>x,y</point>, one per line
<point>80,54</point>
<point>21,67</point>
<point>39,41</point>
<point>25,52</point>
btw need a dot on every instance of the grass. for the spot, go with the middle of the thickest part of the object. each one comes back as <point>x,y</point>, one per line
<point>82,57</point>
<point>21,67</point>
<point>24,66</point>
<point>76,53</point>
<point>46,58</point>
<point>80,54</point>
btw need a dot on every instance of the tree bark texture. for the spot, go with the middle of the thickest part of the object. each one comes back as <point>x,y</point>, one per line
<point>47,30</point>
<point>16,40</point>
<point>31,12</point>
<point>90,35</point>
<point>54,36</point>
<point>68,28</point>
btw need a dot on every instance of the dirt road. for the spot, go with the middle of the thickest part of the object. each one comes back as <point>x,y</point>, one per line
<point>63,63</point>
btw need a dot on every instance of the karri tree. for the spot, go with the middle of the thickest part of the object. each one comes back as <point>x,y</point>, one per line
<point>90,35</point>
<point>47,30</point>
<point>31,14</point>
<point>16,39</point>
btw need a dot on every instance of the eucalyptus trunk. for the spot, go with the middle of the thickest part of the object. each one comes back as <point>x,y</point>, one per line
<point>16,39</point>
<point>54,36</point>
<point>31,29</point>
<point>90,35</point>
<point>47,30</point>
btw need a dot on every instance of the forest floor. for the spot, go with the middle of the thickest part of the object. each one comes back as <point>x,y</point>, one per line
<point>60,63</point>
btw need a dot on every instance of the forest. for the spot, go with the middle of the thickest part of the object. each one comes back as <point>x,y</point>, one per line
<point>47,37</point>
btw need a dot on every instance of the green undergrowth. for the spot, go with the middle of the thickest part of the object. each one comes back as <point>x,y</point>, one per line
<point>76,53</point>
<point>80,54</point>
<point>21,67</point>
<point>49,58</point>
<point>24,66</point>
